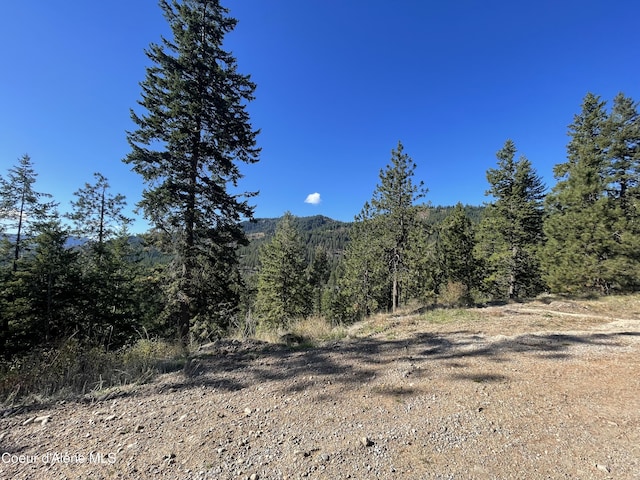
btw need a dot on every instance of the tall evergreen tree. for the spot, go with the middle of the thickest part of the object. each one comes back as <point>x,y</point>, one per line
<point>187,147</point>
<point>284,292</point>
<point>50,287</point>
<point>97,214</point>
<point>592,225</point>
<point>511,232</point>
<point>21,207</point>
<point>578,223</point>
<point>107,263</point>
<point>393,201</point>
<point>622,130</point>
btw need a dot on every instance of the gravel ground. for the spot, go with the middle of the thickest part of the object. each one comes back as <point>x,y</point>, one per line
<point>538,390</point>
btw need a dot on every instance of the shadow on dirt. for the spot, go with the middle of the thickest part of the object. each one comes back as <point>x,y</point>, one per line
<point>235,365</point>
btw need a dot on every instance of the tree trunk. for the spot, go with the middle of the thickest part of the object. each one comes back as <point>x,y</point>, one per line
<point>395,294</point>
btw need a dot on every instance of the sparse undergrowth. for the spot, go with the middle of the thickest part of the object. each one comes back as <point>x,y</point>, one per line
<point>539,389</point>
<point>75,369</point>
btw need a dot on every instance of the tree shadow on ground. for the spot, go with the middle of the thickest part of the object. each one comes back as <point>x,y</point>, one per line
<point>354,362</point>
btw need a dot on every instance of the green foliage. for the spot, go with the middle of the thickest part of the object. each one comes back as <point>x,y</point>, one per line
<point>283,291</point>
<point>97,214</point>
<point>511,231</point>
<point>592,226</point>
<point>187,147</point>
<point>378,266</point>
<point>21,207</point>
<point>455,246</point>
<point>364,285</point>
<point>319,274</point>
<point>315,232</point>
<point>393,202</point>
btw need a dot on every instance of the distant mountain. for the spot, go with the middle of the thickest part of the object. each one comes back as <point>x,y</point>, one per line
<point>323,231</point>
<point>314,231</point>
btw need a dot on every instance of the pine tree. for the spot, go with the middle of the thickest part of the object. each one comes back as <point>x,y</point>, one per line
<point>319,272</point>
<point>592,225</point>
<point>187,148</point>
<point>284,292</point>
<point>422,273</point>
<point>456,242</point>
<point>622,130</point>
<point>511,231</point>
<point>579,222</point>
<point>21,207</point>
<point>51,286</point>
<point>97,214</point>
<point>393,201</point>
<point>364,285</point>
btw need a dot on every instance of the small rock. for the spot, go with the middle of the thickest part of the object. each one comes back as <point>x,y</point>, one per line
<point>247,412</point>
<point>603,468</point>
<point>366,441</point>
<point>109,417</point>
<point>44,419</point>
<point>254,476</point>
<point>139,428</point>
<point>28,421</point>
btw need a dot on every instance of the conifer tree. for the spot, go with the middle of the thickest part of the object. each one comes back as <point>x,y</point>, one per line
<point>592,225</point>
<point>393,202</point>
<point>578,223</point>
<point>364,285</point>
<point>456,242</point>
<point>511,231</point>
<point>21,207</point>
<point>188,145</point>
<point>319,273</point>
<point>50,287</point>
<point>284,292</point>
<point>623,173</point>
<point>97,214</point>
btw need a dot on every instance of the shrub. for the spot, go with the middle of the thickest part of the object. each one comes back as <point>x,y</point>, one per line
<point>455,294</point>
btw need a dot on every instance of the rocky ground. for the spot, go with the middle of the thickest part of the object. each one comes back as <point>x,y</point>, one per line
<point>546,389</point>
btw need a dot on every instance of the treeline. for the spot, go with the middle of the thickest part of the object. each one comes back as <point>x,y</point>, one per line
<point>580,237</point>
<point>82,275</point>
<point>76,275</point>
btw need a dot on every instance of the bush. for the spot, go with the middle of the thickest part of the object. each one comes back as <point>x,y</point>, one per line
<point>455,294</point>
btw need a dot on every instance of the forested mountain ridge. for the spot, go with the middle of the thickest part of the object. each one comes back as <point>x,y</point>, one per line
<point>315,231</point>
<point>321,231</point>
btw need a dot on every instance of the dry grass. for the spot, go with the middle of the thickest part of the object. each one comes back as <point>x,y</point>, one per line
<point>75,369</point>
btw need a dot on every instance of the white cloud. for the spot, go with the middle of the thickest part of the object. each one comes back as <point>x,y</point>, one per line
<point>313,198</point>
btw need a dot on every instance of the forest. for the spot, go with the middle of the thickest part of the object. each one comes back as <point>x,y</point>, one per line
<point>77,287</point>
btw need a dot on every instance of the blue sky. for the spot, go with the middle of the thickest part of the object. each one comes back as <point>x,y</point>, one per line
<point>340,82</point>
